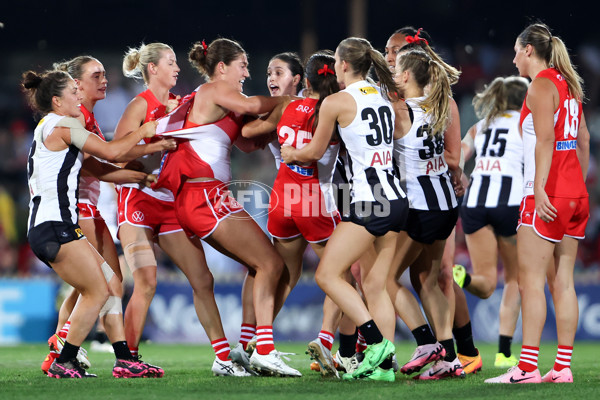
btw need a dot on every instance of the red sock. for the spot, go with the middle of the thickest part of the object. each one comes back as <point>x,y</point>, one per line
<point>248,332</point>
<point>529,358</point>
<point>361,344</point>
<point>64,330</point>
<point>221,348</point>
<point>264,342</point>
<point>563,357</point>
<point>134,351</point>
<point>326,339</point>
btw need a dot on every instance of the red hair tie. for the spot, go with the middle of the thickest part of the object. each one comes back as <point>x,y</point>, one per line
<point>326,70</point>
<point>416,38</point>
<point>204,46</point>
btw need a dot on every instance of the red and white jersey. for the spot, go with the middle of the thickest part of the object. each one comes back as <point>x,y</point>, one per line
<point>565,178</point>
<point>151,162</point>
<point>205,152</point>
<point>89,186</point>
<point>295,129</point>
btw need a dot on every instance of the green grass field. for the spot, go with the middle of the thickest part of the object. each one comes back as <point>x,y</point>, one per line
<point>188,375</point>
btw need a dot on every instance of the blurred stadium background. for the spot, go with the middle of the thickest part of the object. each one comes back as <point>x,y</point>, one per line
<point>477,37</point>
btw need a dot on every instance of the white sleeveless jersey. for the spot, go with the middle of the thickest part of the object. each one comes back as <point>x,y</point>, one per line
<point>422,166</point>
<point>53,178</point>
<point>497,179</point>
<point>369,143</point>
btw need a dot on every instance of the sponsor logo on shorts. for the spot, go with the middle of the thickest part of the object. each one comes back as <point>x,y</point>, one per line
<point>137,216</point>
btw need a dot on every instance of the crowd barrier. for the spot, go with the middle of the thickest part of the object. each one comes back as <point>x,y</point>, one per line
<point>28,314</point>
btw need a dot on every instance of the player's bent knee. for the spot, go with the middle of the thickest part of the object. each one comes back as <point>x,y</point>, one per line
<point>112,306</point>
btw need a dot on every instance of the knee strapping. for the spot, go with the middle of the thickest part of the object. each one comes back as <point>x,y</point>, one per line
<point>107,271</point>
<point>112,306</point>
<point>139,254</point>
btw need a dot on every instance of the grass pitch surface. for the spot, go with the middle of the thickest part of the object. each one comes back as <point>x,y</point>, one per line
<point>188,376</point>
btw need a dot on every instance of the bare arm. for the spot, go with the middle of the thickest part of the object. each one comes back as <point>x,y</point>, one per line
<point>132,118</point>
<point>541,99</point>
<point>467,144</point>
<point>228,97</point>
<point>452,138</point>
<point>583,146</point>
<point>314,150</point>
<point>111,173</point>
<point>119,150</point>
<point>265,125</point>
<point>452,147</point>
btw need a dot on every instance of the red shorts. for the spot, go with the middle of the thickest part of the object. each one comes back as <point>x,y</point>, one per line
<point>297,207</point>
<point>140,209</point>
<point>201,206</point>
<point>88,211</point>
<point>571,218</point>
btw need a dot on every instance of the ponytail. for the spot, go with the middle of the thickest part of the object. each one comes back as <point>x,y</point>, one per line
<point>562,62</point>
<point>552,50</point>
<point>321,76</point>
<point>437,102</point>
<point>426,71</point>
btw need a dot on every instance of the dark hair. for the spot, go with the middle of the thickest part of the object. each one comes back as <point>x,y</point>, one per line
<point>426,70</point>
<point>74,67</point>
<point>411,31</point>
<point>40,89</point>
<point>553,51</point>
<point>323,83</point>
<point>206,60</point>
<point>294,65</point>
<point>361,56</point>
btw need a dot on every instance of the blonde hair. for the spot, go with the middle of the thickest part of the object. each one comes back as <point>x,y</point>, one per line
<point>427,71</point>
<point>501,95</point>
<point>453,73</point>
<point>135,62</point>
<point>553,51</point>
<point>361,56</point>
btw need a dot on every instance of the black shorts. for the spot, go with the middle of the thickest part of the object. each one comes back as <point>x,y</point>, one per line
<point>379,218</point>
<point>46,238</point>
<point>427,226</point>
<point>503,219</point>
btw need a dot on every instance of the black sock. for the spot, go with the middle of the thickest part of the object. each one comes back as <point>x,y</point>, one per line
<point>386,364</point>
<point>371,332</point>
<point>348,344</point>
<point>68,353</point>
<point>423,335</point>
<point>504,344</point>
<point>450,352</point>
<point>464,340</point>
<point>122,351</point>
<point>467,281</point>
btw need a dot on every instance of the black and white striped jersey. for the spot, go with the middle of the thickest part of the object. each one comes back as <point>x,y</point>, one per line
<point>369,143</point>
<point>53,177</point>
<point>420,159</point>
<point>497,178</point>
